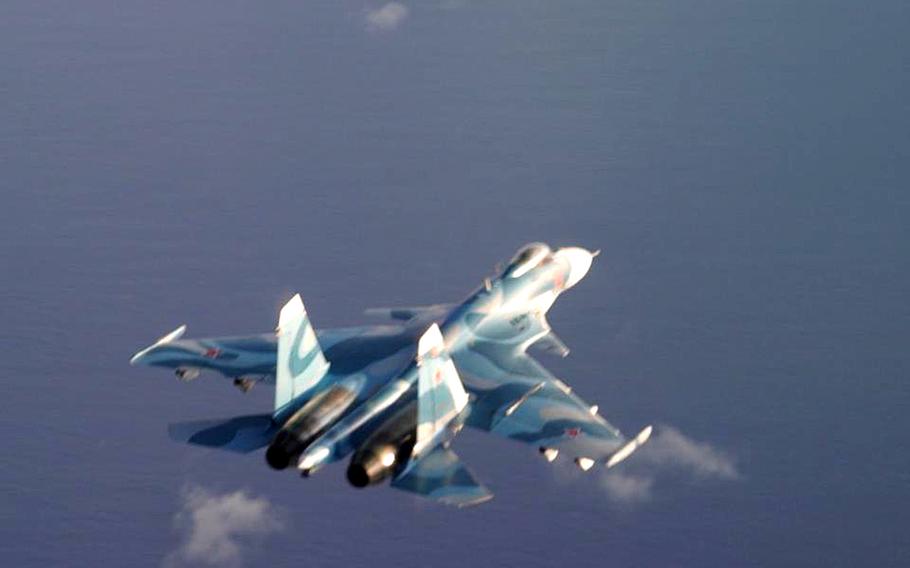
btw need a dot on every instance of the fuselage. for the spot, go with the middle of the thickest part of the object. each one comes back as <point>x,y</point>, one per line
<point>505,308</point>
<point>393,397</point>
<point>507,311</point>
<point>367,397</point>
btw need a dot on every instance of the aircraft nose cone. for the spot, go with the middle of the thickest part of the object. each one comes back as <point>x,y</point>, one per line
<point>579,260</point>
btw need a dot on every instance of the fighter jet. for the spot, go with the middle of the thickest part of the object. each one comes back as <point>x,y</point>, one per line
<point>394,396</point>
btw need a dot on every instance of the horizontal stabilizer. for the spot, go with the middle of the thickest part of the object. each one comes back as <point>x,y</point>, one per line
<point>242,434</point>
<point>408,313</point>
<point>440,475</point>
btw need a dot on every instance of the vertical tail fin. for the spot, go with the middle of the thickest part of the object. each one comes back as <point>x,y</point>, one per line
<point>300,363</point>
<point>440,394</point>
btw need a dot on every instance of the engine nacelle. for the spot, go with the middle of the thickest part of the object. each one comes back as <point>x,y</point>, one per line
<point>388,449</point>
<point>372,465</point>
<point>308,423</point>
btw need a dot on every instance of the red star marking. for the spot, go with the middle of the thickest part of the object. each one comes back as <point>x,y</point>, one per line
<point>212,352</point>
<point>437,377</point>
<point>573,432</point>
<point>559,281</point>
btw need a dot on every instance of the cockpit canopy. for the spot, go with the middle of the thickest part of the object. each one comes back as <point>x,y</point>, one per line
<point>526,259</point>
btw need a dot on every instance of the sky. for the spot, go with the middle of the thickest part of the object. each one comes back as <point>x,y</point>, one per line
<point>742,165</point>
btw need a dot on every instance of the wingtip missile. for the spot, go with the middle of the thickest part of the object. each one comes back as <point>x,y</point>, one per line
<point>632,445</point>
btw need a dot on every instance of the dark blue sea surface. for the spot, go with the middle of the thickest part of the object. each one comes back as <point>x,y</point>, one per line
<point>743,165</point>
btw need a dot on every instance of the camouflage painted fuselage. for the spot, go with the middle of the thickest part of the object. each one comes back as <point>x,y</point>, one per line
<point>375,372</point>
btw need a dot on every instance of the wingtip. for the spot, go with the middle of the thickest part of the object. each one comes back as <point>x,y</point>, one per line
<point>166,338</point>
<point>172,336</point>
<point>644,435</point>
<point>136,359</point>
<point>629,447</point>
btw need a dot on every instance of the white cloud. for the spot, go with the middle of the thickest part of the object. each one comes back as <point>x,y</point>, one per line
<point>626,488</point>
<point>668,450</point>
<point>388,17</point>
<point>215,525</point>
<point>672,448</point>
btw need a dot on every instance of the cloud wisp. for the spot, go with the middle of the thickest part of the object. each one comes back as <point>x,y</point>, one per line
<point>668,450</point>
<point>625,488</point>
<point>215,526</point>
<point>672,448</point>
<point>387,17</point>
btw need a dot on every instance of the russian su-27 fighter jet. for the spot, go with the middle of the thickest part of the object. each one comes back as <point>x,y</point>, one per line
<point>394,396</point>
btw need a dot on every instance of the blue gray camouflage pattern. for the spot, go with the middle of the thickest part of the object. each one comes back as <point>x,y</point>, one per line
<point>396,395</point>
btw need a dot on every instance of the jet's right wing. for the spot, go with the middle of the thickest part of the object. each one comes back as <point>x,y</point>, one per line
<point>249,356</point>
<point>517,398</point>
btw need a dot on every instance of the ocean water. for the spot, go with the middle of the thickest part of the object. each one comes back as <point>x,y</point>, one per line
<point>744,167</point>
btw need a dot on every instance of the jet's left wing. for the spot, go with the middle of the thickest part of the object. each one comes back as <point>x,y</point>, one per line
<point>253,356</point>
<point>246,356</point>
<point>515,397</point>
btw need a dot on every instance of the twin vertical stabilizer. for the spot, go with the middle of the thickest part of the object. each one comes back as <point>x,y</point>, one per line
<point>300,364</point>
<point>440,394</point>
<point>434,470</point>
